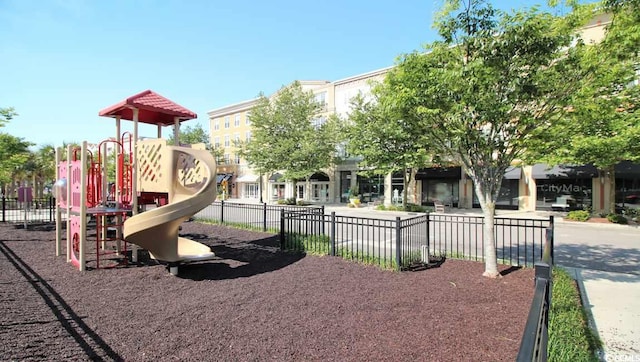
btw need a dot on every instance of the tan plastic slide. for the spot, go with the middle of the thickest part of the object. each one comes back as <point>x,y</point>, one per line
<point>156,230</point>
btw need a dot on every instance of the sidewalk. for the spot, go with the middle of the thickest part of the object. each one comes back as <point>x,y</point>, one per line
<point>612,301</point>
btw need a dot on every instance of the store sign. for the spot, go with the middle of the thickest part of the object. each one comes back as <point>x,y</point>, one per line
<point>564,188</point>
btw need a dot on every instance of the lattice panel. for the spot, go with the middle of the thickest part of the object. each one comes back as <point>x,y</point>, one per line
<point>191,171</point>
<point>74,184</point>
<point>150,169</point>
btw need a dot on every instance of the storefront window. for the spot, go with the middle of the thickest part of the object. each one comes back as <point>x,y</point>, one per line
<point>277,191</point>
<point>444,190</point>
<point>578,191</point>
<point>628,192</point>
<point>345,184</point>
<point>370,188</point>
<point>507,198</point>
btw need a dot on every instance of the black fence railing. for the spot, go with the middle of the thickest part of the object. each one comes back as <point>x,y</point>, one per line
<point>261,216</point>
<point>389,243</point>
<point>519,242</point>
<point>533,346</point>
<point>398,243</point>
<point>36,211</point>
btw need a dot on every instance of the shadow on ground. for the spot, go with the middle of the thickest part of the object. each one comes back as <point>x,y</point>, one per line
<point>604,257</point>
<point>238,259</point>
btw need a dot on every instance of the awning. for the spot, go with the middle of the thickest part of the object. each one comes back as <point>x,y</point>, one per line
<point>276,177</point>
<point>439,172</point>
<point>542,171</point>
<point>319,176</point>
<point>512,173</point>
<point>627,169</point>
<point>223,177</point>
<point>247,178</point>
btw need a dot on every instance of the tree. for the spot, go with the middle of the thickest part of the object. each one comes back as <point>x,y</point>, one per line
<point>289,135</point>
<point>196,134</point>
<point>603,125</point>
<point>384,140</point>
<point>6,114</point>
<point>479,93</point>
<point>14,153</point>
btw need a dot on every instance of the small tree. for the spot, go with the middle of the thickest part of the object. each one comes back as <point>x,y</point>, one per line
<point>14,153</point>
<point>478,94</point>
<point>384,140</point>
<point>289,135</point>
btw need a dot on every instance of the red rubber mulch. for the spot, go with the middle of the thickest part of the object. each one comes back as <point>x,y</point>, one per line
<point>254,304</point>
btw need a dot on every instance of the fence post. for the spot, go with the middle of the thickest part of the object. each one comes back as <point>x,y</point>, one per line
<point>322,218</point>
<point>264,216</point>
<point>282,229</point>
<point>51,204</point>
<point>221,211</point>
<point>550,235</point>
<point>4,208</point>
<point>332,236</point>
<point>428,236</point>
<point>398,243</point>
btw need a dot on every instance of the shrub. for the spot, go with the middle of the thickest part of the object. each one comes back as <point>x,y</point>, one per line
<point>302,203</point>
<point>617,219</point>
<point>381,207</point>
<point>415,208</point>
<point>578,215</point>
<point>570,338</point>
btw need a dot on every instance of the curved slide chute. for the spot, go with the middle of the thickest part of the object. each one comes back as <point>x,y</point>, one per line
<point>156,230</point>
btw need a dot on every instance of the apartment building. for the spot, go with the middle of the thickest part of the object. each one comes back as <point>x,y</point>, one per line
<point>537,187</point>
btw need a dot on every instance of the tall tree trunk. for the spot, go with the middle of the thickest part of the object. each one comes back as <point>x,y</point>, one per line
<point>611,171</point>
<point>486,197</point>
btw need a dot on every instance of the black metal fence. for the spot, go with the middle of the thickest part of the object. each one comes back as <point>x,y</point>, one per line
<point>519,242</point>
<point>261,216</point>
<point>399,243</point>
<point>36,211</point>
<point>533,346</point>
<point>389,243</point>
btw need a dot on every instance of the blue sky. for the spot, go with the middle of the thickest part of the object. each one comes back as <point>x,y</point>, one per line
<point>63,61</point>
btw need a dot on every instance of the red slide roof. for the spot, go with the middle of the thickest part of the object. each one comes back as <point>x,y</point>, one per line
<point>153,109</point>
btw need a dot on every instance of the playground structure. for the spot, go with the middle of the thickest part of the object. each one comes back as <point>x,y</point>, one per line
<point>178,181</point>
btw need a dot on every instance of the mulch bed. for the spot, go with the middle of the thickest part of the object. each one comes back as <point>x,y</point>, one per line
<point>255,303</point>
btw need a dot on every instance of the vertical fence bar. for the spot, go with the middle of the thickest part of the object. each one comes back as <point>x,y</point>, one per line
<point>4,209</point>
<point>221,211</point>
<point>51,208</point>
<point>550,237</point>
<point>264,216</point>
<point>398,244</point>
<point>282,244</point>
<point>332,236</point>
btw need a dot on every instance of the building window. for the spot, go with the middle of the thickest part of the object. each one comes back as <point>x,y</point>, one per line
<point>318,122</point>
<point>226,159</point>
<point>247,136</point>
<point>251,190</point>
<point>236,138</point>
<point>237,159</point>
<point>321,99</point>
<point>216,124</point>
<point>247,118</point>
<point>216,142</point>
<point>226,122</point>
<point>227,141</point>
<point>236,121</point>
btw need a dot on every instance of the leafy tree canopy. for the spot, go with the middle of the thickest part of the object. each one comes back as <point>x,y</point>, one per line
<point>290,135</point>
<point>479,93</point>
